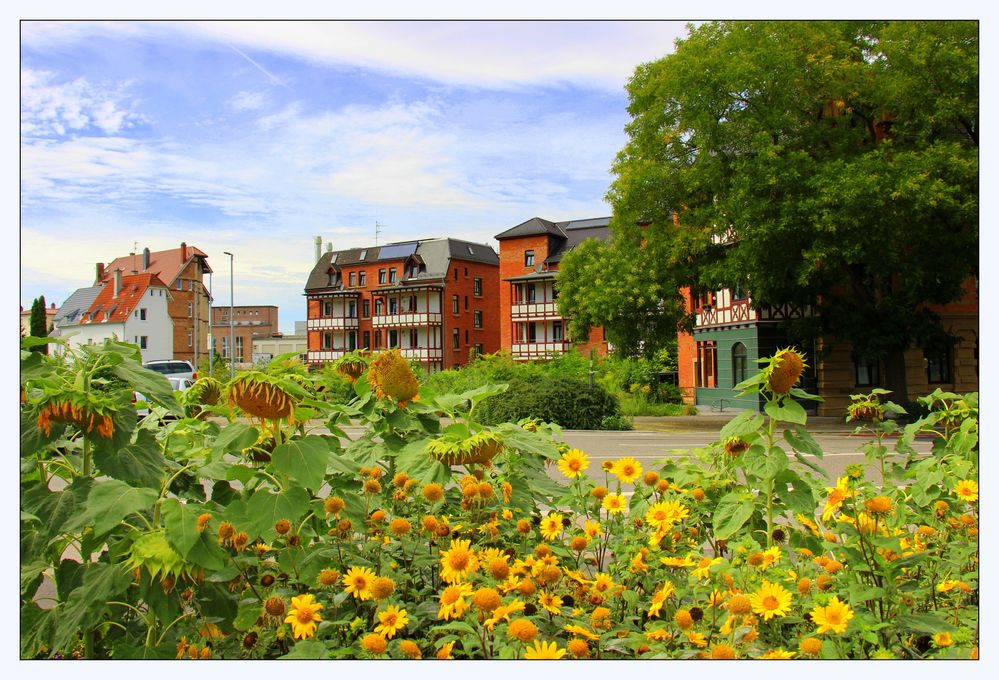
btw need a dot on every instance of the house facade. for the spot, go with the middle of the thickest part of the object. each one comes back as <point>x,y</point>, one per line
<point>531,326</point>
<point>433,299</point>
<point>132,308</point>
<point>50,314</point>
<point>249,324</point>
<point>182,270</point>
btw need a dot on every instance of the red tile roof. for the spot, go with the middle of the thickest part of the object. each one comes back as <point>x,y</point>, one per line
<point>109,309</point>
<point>166,264</point>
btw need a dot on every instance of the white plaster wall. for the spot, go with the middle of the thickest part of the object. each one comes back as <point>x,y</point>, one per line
<point>157,327</point>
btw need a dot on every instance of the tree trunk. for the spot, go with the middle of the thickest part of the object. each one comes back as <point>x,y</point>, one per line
<point>894,380</point>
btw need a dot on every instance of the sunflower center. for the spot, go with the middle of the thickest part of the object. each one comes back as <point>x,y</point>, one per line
<point>575,464</point>
<point>458,560</point>
<point>389,620</point>
<point>360,583</point>
<point>770,602</point>
<point>303,616</point>
<point>833,617</point>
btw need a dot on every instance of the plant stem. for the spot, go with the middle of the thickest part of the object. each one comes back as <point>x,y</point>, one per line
<point>86,456</point>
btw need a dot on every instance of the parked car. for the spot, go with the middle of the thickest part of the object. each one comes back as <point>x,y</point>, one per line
<point>173,368</point>
<point>178,383</point>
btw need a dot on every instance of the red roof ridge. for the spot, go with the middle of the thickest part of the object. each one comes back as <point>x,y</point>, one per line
<point>109,309</point>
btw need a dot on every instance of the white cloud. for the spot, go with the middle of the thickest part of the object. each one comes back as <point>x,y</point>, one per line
<point>48,107</point>
<point>248,101</point>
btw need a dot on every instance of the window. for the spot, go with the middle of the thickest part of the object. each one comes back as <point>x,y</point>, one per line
<point>352,309</point>
<point>381,276</point>
<point>239,348</point>
<point>364,253</point>
<point>478,349</point>
<point>532,293</point>
<point>143,341</point>
<point>466,336</point>
<point>190,337</point>
<point>938,366</point>
<point>738,363</point>
<point>142,314</point>
<point>351,341</point>
<point>327,308</point>
<point>414,271</point>
<point>393,338</point>
<point>454,305</point>
<point>412,303</point>
<point>477,287</point>
<point>477,318</point>
<point>190,310</point>
<point>180,284</point>
<point>738,293</point>
<point>190,285</point>
<point>557,331</point>
<point>466,303</point>
<point>367,338</point>
<point>366,308</point>
<point>225,346</point>
<point>466,271</point>
<point>414,337</point>
<point>554,292</point>
<point>455,340</point>
<point>392,275</point>
<point>353,280</point>
<point>379,307</point>
<point>706,364</point>
<point>362,278</point>
<point>528,258</point>
<point>393,306</point>
<point>867,372</point>
<point>455,273</point>
<point>327,340</point>
<point>378,339</point>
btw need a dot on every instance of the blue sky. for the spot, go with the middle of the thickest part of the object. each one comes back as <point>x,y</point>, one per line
<point>255,137</point>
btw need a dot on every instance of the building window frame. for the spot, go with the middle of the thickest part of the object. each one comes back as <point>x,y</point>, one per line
<point>455,339</point>
<point>939,366</point>
<point>477,318</point>
<point>528,258</point>
<point>362,279</point>
<point>366,308</point>
<point>866,372</point>
<point>352,280</point>
<point>455,305</point>
<point>392,275</point>
<point>477,287</point>
<point>739,363</point>
<point>381,276</point>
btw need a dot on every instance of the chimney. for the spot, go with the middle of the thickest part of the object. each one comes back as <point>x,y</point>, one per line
<point>53,306</point>
<point>183,251</point>
<point>319,248</point>
<point>117,283</point>
<point>145,259</point>
<point>100,271</point>
<point>329,247</point>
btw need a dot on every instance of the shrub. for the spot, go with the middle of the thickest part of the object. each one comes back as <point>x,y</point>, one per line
<point>569,402</point>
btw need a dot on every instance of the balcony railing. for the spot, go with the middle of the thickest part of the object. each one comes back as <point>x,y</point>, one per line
<point>406,320</point>
<point>333,323</point>
<point>534,310</point>
<point>539,350</point>
<point>423,353</point>
<point>322,355</point>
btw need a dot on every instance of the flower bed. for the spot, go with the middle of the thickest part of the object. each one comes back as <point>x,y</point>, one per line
<point>266,540</point>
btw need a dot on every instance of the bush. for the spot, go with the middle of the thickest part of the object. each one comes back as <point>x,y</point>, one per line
<point>616,423</point>
<point>565,400</point>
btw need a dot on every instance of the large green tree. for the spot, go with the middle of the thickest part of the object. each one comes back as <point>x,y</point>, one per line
<point>39,323</point>
<point>843,156</point>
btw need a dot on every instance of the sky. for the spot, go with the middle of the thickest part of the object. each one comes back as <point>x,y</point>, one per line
<point>255,137</point>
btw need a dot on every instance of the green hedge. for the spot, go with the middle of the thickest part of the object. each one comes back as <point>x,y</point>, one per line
<point>565,400</point>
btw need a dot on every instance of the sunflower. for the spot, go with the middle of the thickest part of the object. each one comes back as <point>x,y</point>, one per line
<point>967,490</point>
<point>722,651</point>
<point>502,613</point>
<point>837,495</point>
<point>580,631</point>
<point>458,562</point>
<point>615,503</point>
<point>453,602</point>
<point>778,653</point>
<point>303,616</point>
<point>264,396</point>
<point>357,581</point>
<point>603,583</point>
<point>351,366</point>
<point>390,376</point>
<point>391,620</point>
<point>627,470</point>
<point>834,617</point>
<point>87,415</point>
<point>444,652</point>
<point>664,514</point>
<point>374,643</point>
<point>410,649</point>
<point>544,650</point>
<point>879,505</point>
<point>550,602</point>
<point>784,370</point>
<point>591,528</point>
<point>522,629</point>
<point>703,569</point>
<point>659,598</point>
<point>551,526</point>
<point>573,462</point>
<point>770,600</point>
<point>942,639</point>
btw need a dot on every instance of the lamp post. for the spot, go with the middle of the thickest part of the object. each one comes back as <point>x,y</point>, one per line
<point>232,346</point>
<point>211,336</point>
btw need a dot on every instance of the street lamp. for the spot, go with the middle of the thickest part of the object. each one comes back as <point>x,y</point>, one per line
<point>232,346</point>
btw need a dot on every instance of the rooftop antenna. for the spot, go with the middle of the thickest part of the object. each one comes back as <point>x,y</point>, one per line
<point>378,230</point>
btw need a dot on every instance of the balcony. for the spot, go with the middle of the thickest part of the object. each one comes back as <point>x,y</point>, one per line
<point>406,320</point>
<point>424,354</point>
<point>333,323</point>
<point>324,355</point>
<point>534,311</point>
<point>539,350</point>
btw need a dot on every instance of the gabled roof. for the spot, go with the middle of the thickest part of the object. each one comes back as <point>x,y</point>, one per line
<point>165,264</point>
<point>109,309</point>
<point>532,227</point>
<point>577,233</point>
<point>75,305</point>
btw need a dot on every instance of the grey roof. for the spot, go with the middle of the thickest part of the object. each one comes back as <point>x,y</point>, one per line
<point>590,223</point>
<point>577,236</point>
<point>535,276</point>
<point>532,227</point>
<point>75,305</point>
<point>435,254</point>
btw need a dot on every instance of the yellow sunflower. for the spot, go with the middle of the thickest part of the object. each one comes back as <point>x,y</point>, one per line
<point>627,470</point>
<point>837,495</point>
<point>703,569</point>
<point>591,528</point>
<point>834,617</point>
<point>550,602</point>
<point>458,562</point>
<point>770,600</point>
<point>444,652</point>
<point>778,653</point>
<point>357,581</point>
<point>659,598</point>
<point>391,620</point>
<point>303,616</point>
<point>544,650</point>
<point>784,370</point>
<point>452,601</point>
<point>967,490</point>
<point>573,462</point>
<point>581,631</point>
<point>615,503</point>
<point>502,613</point>
<point>551,526</point>
<point>678,561</point>
<point>664,514</point>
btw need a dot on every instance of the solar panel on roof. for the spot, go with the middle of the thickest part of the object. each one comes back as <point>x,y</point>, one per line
<point>396,251</point>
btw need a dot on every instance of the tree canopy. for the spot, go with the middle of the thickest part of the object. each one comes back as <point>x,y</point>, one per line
<point>843,155</point>
<point>39,323</point>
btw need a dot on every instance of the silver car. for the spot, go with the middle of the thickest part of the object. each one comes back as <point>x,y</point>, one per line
<point>178,383</point>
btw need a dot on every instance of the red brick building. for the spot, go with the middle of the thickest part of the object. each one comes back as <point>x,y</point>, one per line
<point>434,299</point>
<point>531,326</point>
<point>249,323</point>
<point>182,270</point>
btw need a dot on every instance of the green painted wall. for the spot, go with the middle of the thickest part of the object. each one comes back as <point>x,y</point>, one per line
<point>725,338</point>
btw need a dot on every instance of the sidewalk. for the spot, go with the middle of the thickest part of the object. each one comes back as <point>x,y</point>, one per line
<point>712,421</point>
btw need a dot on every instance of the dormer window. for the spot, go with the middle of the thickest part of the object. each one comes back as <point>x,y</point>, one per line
<point>363,254</point>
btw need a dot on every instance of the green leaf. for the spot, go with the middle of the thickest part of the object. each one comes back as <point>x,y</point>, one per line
<point>744,423</point>
<point>801,440</point>
<point>58,511</point>
<point>112,501</point>
<point>235,438</point>
<point>181,523</point>
<point>799,496</point>
<point>303,460</point>
<point>733,510</point>
<point>138,463</point>
<point>246,617</point>
<point>789,410</point>
<point>264,509</point>
<point>926,622</point>
<point>151,384</point>
<point>776,462</point>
